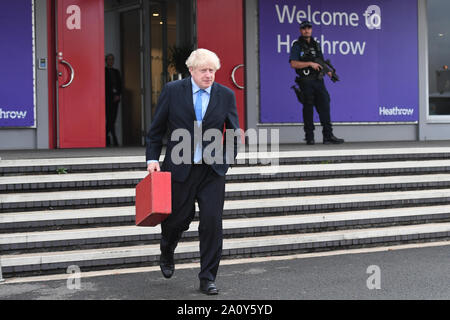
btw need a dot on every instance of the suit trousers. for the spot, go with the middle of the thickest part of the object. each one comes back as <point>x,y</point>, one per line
<point>206,187</point>
<point>111,116</point>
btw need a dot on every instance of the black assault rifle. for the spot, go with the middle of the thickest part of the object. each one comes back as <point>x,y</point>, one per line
<point>327,67</point>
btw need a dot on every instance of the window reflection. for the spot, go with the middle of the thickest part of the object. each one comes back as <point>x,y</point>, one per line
<point>439,57</point>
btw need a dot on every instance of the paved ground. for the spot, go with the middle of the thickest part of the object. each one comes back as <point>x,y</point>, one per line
<point>417,273</point>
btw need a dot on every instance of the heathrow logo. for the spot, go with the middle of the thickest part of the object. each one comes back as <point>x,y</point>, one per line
<point>12,114</point>
<point>395,111</point>
<point>373,17</point>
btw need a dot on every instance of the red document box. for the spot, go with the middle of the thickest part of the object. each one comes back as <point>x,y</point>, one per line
<point>153,199</point>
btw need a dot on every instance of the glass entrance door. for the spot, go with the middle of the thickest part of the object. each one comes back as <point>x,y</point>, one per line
<point>439,60</point>
<point>124,41</point>
<point>142,34</point>
<point>158,49</point>
<point>168,37</point>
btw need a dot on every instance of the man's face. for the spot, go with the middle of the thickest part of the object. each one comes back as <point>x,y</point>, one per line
<point>203,76</point>
<point>306,32</point>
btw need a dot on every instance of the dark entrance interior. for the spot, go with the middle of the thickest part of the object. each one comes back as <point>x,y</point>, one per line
<point>142,35</point>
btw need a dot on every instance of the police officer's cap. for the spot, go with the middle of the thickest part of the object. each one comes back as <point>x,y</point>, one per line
<point>305,24</point>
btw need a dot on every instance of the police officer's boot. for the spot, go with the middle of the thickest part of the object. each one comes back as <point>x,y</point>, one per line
<point>309,138</point>
<point>331,139</point>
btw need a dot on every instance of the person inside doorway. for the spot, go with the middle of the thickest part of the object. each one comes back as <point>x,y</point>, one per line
<point>113,93</point>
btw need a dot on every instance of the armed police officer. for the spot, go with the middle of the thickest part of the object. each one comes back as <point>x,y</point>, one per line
<point>312,87</point>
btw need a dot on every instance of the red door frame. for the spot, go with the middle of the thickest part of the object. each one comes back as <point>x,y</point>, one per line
<point>51,47</point>
<point>220,28</point>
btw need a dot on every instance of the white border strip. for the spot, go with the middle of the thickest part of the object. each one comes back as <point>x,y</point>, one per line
<point>242,155</point>
<point>33,24</point>
<point>299,124</point>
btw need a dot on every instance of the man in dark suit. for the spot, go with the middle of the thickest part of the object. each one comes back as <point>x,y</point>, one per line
<point>187,105</point>
<point>113,92</point>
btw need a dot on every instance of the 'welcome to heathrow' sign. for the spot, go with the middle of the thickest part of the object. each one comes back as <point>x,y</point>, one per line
<point>373,45</point>
<point>17,105</point>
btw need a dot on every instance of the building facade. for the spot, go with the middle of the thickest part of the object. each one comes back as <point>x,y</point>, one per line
<point>391,56</point>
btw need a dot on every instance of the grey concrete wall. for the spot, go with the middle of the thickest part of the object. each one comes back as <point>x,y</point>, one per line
<point>42,131</point>
<point>293,133</point>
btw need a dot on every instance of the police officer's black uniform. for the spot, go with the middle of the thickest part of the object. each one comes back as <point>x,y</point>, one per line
<point>314,91</point>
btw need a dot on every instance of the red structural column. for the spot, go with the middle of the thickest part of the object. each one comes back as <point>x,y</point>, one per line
<point>220,28</point>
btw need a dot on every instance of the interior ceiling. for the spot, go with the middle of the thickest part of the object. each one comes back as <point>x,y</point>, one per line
<point>155,7</point>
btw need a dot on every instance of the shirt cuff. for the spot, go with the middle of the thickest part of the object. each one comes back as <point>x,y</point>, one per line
<point>152,161</point>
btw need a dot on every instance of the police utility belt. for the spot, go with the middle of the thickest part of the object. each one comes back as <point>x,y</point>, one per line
<point>306,74</point>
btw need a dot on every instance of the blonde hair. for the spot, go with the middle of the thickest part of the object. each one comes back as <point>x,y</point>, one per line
<point>203,57</point>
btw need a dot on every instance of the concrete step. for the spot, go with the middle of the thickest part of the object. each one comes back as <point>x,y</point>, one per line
<point>69,218</point>
<point>126,235</point>
<point>344,154</point>
<point>149,254</point>
<point>299,203</point>
<point>52,219</point>
<point>39,166</point>
<point>336,170</point>
<point>110,197</point>
<point>120,179</point>
<point>253,172</point>
<point>333,203</point>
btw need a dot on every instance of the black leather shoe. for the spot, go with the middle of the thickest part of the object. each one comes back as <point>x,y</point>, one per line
<point>208,287</point>
<point>333,140</point>
<point>309,138</point>
<point>166,260</point>
<point>167,264</point>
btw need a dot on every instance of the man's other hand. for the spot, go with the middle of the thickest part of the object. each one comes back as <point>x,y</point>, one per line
<point>153,167</point>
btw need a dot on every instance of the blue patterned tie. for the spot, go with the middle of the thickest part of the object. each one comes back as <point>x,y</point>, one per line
<point>199,114</point>
<point>199,105</point>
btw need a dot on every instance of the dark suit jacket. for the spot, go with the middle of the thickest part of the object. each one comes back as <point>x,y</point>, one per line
<point>113,83</point>
<point>175,110</point>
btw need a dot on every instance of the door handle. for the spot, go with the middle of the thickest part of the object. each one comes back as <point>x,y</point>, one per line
<point>72,74</point>
<point>233,77</point>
